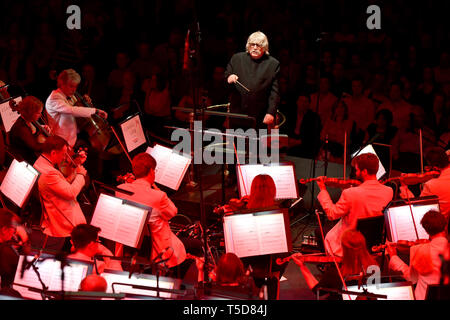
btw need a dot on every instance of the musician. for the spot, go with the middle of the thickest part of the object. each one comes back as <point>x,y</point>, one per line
<point>257,71</point>
<point>163,209</point>
<point>86,244</point>
<point>436,157</point>
<point>25,138</point>
<point>61,110</point>
<point>231,276</point>
<point>9,256</point>
<point>60,209</point>
<point>94,283</point>
<point>363,201</point>
<point>265,272</point>
<point>425,264</point>
<point>355,260</point>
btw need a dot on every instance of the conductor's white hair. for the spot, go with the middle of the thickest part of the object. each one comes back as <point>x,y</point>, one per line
<point>259,38</point>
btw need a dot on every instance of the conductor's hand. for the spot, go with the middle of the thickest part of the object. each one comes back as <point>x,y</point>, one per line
<point>101,113</point>
<point>321,183</point>
<point>269,119</point>
<point>232,78</point>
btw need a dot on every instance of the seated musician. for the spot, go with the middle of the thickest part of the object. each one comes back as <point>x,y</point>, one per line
<point>86,244</point>
<point>262,195</point>
<point>265,272</point>
<point>60,208</point>
<point>10,229</point>
<point>425,263</point>
<point>436,157</point>
<point>164,241</point>
<point>366,200</point>
<point>355,260</point>
<point>94,283</point>
<point>61,110</point>
<point>230,276</point>
<point>26,139</point>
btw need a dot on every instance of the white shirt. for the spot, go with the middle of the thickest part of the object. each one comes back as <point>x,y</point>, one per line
<point>424,267</point>
<point>364,201</point>
<point>163,210</point>
<point>441,188</point>
<point>59,199</point>
<point>61,116</point>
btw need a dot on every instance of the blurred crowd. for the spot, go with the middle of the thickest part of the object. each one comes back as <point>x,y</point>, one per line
<point>341,84</point>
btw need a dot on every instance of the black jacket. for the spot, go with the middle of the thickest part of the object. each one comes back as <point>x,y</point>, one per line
<point>260,77</point>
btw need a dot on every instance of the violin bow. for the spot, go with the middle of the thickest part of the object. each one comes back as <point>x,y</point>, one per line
<point>332,253</point>
<point>240,170</point>
<point>345,154</point>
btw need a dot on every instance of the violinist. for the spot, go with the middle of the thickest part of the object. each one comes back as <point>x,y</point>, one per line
<point>60,208</point>
<point>61,110</point>
<point>262,195</point>
<point>366,200</point>
<point>440,186</point>
<point>9,256</point>
<point>355,260</point>
<point>265,272</point>
<point>425,264</point>
<point>163,209</point>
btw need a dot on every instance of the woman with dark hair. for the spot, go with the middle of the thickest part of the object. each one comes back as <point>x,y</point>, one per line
<point>262,192</point>
<point>26,139</point>
<point>355,261</point>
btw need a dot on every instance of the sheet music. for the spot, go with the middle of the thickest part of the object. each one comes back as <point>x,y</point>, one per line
<point>119,221</point>
<point>401,223</point>
<point>272,233</point>
<point>131,217</point>
<point>133,133</point>
<point>9,117</point>
<point>123,278</point>
<point>19,182</point>
<point>282,175</point>
<point>170,166</point>
<point>401,292</point>
<point>251,235</point>
<point>50,272</point>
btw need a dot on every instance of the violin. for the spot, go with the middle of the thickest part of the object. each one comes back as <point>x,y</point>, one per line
<point>414,178</point>
<point>334,182</point>
<point>313,258</point>
<point>400,244</point>
<point>233,205</point>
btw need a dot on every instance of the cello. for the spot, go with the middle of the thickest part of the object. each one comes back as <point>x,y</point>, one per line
<point>98,130</point>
